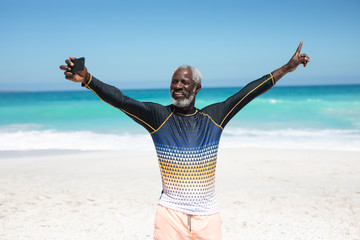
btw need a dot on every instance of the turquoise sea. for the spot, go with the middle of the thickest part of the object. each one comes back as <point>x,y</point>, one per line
<point>320,117</point>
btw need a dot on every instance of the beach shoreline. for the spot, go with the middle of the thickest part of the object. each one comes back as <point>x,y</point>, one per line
<point>263,193</point>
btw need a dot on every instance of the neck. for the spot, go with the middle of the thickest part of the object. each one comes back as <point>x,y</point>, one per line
<point>188,108</point>
<point>185,110</point>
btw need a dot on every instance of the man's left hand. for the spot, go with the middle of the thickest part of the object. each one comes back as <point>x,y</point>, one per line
<point>297,59</point>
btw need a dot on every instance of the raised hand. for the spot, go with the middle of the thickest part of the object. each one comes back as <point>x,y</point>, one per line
<point>81,76</point>
<point>297,59</point>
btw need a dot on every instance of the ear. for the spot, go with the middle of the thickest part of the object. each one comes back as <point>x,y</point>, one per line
<point>198,88</point>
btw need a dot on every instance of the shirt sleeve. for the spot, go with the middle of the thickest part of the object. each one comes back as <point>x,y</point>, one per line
<point>222,112</point>
<point>149,115</point>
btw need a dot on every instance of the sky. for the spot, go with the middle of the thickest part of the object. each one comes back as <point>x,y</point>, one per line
<point>138,44</point>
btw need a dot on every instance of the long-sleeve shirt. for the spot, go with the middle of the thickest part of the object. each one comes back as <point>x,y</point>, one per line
<point>186,142</point>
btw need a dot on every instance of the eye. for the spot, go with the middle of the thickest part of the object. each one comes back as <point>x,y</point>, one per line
<point>184,82</point>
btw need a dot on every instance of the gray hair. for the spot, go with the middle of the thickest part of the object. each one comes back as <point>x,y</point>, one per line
<point>196,75</point>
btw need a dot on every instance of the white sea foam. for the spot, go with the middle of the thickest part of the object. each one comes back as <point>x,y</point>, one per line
<point>232,137</point>
<point>76,140</point>
<point>293,138</point>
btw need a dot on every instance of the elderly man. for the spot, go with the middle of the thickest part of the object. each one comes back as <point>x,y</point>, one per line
<point>186,141</point>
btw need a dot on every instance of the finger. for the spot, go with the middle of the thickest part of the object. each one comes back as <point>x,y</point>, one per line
<point>304,55</point>
<point>69,63</point>
<point>307,61</point>
<point>304,58</point>
<point>307,57</point>
<point>66,68</point>
<point>69,74</point>
<point>298,50</point>
<point>304,61</point>
<point>72,59</point>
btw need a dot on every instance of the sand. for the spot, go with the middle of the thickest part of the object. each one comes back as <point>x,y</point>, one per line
<point>263,194</point>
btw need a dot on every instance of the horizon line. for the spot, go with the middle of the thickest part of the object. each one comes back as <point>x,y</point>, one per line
<point>165,88</point>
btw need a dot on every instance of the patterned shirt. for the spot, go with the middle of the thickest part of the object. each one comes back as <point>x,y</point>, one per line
<point>186,142</point>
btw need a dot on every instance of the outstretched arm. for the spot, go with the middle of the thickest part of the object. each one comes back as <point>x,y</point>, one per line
<point>295,61</point>
<point>146,114</point>
<point>222,112</point>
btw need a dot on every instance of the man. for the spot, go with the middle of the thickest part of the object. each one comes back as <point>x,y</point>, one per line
<point>186,141</point>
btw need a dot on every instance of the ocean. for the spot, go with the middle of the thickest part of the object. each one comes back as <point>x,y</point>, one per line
<point>305,117</point>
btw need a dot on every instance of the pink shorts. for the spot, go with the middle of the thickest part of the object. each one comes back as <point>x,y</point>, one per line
<point>175,225</point>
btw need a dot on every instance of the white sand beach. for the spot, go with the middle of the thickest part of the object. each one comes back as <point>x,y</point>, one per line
<point>263,194</point>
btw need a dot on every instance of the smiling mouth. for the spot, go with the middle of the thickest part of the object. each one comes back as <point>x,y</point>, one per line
<point>178,94</point>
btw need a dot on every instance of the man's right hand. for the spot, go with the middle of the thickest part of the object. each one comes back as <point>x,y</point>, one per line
<point>82,76</point>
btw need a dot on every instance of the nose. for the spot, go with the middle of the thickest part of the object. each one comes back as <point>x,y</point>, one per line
<point>178,86</point>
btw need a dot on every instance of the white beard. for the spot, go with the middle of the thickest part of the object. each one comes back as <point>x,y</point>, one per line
<point>181,103</point>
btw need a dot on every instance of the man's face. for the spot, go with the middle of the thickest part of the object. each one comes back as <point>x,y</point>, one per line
<point>183,89</point>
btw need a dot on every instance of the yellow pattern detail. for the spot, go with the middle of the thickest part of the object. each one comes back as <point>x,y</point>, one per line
<point>122,109</point>
<point>192,114</point>
<point>163,122</point>
<point>272,78</point>
<point>87,84</point>
<point>205,167</point>
<point>243,99</point>
<point>211,120</point>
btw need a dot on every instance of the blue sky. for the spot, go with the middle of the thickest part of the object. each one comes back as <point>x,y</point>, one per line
<point>138,44</point>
